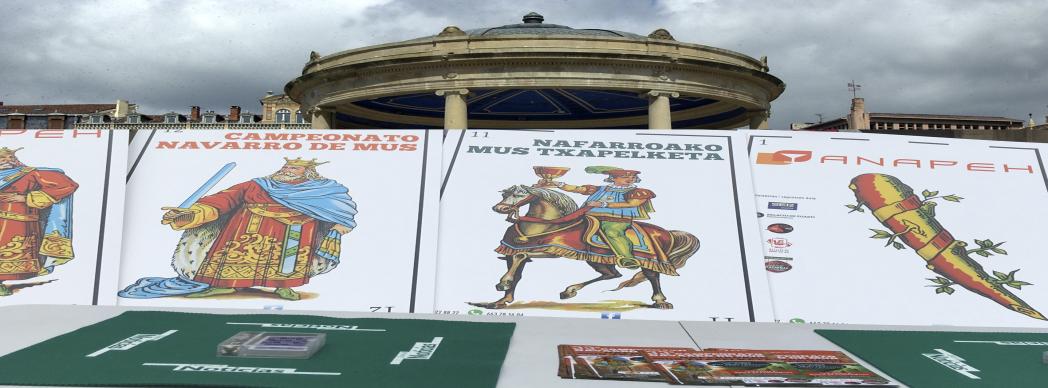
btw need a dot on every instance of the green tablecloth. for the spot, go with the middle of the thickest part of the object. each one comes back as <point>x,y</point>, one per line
<point>145,348</point>
<point>923,359</point>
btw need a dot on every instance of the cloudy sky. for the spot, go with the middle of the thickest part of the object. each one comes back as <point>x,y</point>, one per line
<point>941,56</point>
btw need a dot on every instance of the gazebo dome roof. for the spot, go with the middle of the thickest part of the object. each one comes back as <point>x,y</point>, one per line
<point>533,25</point>
<point>536,75</point>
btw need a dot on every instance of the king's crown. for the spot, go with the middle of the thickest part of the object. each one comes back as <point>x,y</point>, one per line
<point>299,162</point>
<point>6,152</point>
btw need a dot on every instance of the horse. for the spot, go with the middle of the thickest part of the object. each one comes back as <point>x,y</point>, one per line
<point>546,210</point>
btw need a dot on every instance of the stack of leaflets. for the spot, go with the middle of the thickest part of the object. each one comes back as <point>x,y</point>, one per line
<point>684,366</point>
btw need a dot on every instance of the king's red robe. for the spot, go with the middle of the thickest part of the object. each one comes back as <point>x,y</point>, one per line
<point>22,243</point>
<point>258,239</point>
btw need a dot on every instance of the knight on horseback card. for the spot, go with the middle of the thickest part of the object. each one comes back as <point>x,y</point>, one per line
<point>598,213</point>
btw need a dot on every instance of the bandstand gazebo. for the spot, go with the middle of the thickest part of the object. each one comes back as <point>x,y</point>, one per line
<point>536,75</point>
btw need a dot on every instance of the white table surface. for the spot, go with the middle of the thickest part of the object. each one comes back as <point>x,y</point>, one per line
<point>532,357</point>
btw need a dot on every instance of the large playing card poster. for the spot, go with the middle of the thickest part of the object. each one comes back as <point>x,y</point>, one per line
<point>317,220</point>
<point>884,229</point>
<point>614,224</point>
<point>61,208</point>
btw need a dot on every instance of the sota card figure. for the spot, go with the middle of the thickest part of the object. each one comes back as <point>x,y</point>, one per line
<point>585,239</point>
<point>52,183</point>
<point>270,236</point>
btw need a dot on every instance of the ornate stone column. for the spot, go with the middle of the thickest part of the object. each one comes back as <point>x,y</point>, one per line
<point>456,116</point>
<point>759,119</point>
<point>659,109</point>
<point>322,118</point>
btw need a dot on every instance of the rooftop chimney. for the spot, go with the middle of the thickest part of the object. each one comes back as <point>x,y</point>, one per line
<point>194,113</point>
<point>121,109</point>
<point>858,118</point>
<point>234,113</point>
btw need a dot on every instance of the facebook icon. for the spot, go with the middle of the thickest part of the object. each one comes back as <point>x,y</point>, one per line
<point>610,315</point>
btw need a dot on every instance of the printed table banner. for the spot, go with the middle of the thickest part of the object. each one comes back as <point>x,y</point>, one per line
<point>885,229</point>
<point>61,215</point>
<point>612,224</point>
<point>931,359</point>
<point>147,348</point>
<point>322,220</point>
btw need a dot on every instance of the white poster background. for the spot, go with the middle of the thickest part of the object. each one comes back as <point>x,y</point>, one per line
<point>697,196</point>
<point>841,275</point>
<point>85,156</point>
<point>452,142</point>
<point>396,221</point>
<point>143,137</point>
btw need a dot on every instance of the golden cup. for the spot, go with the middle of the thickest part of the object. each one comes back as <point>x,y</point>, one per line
<point>550,173</point>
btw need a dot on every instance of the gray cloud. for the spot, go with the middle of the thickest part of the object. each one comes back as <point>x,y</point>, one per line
<point>945,56</point>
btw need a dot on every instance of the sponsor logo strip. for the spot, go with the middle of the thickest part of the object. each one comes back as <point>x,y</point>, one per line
<point>421,351</point>
<point>218,368</point>
<point>304,326</point>
<point>782,205</point>
<point>1009,343</point>
<point>131,342</point>
<point>954,362</point>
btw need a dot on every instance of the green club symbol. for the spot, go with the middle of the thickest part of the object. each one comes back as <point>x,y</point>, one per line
<point>796,320</point>
<point>476,312</point>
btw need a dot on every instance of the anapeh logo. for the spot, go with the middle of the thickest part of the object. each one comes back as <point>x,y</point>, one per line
<point>787,157</point>
<point>783,157</point>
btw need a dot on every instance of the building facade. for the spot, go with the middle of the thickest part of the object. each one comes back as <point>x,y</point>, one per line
<point>281,109</point>
<point>935,125</point>
<point>279,112</point>
<point>859,119</point>
<point>61,116</point>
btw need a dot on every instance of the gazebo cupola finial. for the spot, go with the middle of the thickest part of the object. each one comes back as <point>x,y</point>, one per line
<point>533,18</point>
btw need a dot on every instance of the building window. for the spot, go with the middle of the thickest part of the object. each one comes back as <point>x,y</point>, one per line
<point>298,117</point>
<point>170,119</point>
<point>283,116</point>
<point>96,119</point>
<point>134,119</point>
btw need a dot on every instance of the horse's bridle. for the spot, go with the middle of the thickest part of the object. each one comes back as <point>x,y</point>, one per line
<point>516,207</point>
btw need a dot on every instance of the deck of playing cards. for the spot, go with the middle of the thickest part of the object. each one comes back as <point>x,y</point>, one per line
<point>255,344</point>
<point>685,366</point>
